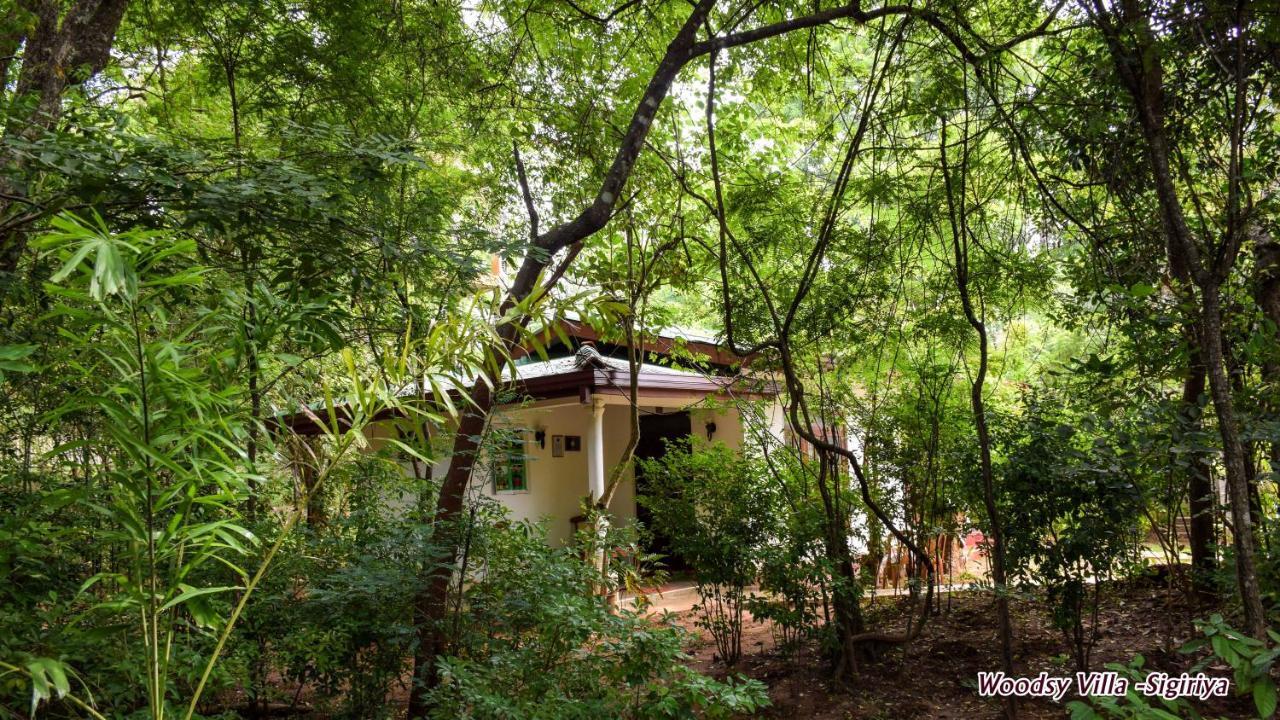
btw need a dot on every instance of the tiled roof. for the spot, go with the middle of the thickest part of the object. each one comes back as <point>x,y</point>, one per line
<point>586,358</point>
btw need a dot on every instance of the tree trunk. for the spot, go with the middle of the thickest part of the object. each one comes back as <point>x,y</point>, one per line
<point>62,51</point>
<point>846,594</point>
<point>1199,483</point>
<point>1233,457</point>
<point>432,603</point>
<point>1127,30</point>
<point>998,562</point>
<point>957,219</point>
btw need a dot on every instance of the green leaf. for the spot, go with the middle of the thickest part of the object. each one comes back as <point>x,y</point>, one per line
<point>1082,711</point>
<point>203,612</point>
<point>39,686</point>
<point>48,677</point>
<point>1222,648</point>
<point>1192,646</point>
<point>411,451</point>
<point>12,358</point>
<point>1264,697</point>
<point>62,686</point>
<point>73,262</point>
<point>189,593</point>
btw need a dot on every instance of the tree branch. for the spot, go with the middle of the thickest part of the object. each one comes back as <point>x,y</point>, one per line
<point>524,192</point>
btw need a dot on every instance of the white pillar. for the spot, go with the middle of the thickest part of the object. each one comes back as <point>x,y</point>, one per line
<point>595,449</point>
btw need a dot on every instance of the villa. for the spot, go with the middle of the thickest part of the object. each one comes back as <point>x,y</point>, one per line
<point>568,419</point>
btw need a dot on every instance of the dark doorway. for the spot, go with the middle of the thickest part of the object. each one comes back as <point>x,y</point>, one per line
<point>655,432</point>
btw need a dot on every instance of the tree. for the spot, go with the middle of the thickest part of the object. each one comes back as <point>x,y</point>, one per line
<point>962,239</point>
<point>62,48</point>
<point>1205,250</point>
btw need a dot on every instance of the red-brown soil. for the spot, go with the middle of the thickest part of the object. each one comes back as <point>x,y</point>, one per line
<point>935,677</point>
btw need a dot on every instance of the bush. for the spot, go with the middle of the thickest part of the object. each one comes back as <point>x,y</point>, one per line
<point>718,511</point>
<point>795,574</point>
<point>537,642</point>
<point>1071,514</point>
<point>336,613</point>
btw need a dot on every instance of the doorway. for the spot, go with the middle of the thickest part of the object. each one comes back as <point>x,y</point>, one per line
<point>655,431</point>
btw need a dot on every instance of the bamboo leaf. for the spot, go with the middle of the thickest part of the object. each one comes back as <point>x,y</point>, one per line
<point>189,593</point>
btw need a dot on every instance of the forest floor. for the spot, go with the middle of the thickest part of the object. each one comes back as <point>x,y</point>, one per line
<point>936,677</point>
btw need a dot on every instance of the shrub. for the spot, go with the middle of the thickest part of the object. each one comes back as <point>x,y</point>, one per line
<point>794,574</point>
<point>537,642</point>
<point>718,512</point>
<point>336,615</point>
<point>1071,516</point>
<point>1250,660</point>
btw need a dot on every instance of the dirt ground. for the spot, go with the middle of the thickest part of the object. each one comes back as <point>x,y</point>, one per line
<point>936,676</point>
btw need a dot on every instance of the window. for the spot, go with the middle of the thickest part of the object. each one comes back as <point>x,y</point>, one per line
<point>511,471</point>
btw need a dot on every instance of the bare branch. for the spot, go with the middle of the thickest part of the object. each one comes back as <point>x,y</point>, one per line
<point>524,192</point>
<point>602,19</point>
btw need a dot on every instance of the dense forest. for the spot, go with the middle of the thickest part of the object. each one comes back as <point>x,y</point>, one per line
<point>1010,268</point>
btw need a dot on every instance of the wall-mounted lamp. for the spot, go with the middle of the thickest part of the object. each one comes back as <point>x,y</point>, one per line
<point>541,437</point>
<point>711,429</point>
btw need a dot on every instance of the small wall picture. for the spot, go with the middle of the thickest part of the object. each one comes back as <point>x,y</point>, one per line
<point>573,443</point>
<point>557,446</point>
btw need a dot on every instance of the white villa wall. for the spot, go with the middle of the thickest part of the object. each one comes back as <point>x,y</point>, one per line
<point>558,485</point>
<point>728,425</point>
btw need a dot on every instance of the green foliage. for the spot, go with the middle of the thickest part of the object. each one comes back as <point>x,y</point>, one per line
<point>164,479</point>
<point>1250,660</point>
<point>1071,508</point>
<point>795,575</point>
<point>173,479</point>
<point>537,641</point>
<point>335,614</point>
<point>718,512</point>
<point>255,204</point>
<point>1133,704</point>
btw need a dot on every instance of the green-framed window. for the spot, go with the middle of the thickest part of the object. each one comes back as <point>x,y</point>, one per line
<point>511,471</point>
